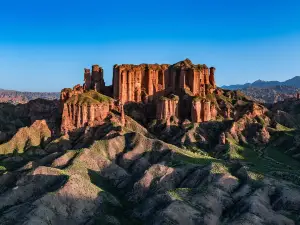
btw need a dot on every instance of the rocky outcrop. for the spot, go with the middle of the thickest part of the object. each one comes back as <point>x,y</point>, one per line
<point>202,111</point>
<point>167,107</point>
<point>84,109</point>
<point>27,137</point>
<point>76,115</point>
<point>67,93</point>
<point>149,84</point>
<point>140,83</point>
<point>148,81</point>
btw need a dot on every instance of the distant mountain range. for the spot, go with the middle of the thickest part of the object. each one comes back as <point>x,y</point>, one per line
<point>294,82</point>
<point>16,97</point>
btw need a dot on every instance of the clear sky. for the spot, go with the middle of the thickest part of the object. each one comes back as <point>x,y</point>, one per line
<point>44,45</point>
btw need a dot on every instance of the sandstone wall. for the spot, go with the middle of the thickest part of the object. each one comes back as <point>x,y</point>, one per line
<point>202,111</point>
<point>75,115</point>
<point>148,82</point>
<point>166,108</point>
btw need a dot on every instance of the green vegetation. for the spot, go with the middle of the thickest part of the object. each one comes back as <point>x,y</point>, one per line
<point>265,161</point>
<point>90,97</point>
<point>280,127</point>
<point>261,121</point>
<point>171,97</point>
<point>25,138</point>
<point>185,157</point>
<point>2,169</point>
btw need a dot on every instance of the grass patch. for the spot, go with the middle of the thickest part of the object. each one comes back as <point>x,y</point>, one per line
<point>280,127</point>
<point>185,157</point>
<point>90,97</point>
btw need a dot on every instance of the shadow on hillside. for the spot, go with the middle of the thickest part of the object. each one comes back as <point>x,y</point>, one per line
<point>64,201</point>
<point>14,117</point>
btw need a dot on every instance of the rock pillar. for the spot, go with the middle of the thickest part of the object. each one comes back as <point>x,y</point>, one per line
<point>124,85</point>
<point>206,111</point>
<point>212,76</point>
<point>87,79</point>
<point>206,74</point>
<point>182,79</point>
<point>196,111</point>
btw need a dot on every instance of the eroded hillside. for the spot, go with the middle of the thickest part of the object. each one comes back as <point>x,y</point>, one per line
<point>232,171</point>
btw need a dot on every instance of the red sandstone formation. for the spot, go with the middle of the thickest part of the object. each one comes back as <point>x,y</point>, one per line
<point>67,93</point>
<point>144,83</point>
<point>202,111</point>
<point>95,80</point>
<point>167,107</point>
<point>137,82</point>
<point>76,116</point>
<point>81,110</point>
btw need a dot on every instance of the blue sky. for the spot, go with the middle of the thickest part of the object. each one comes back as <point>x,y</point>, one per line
<point>44,45</point>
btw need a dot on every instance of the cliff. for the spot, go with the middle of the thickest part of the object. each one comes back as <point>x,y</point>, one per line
<point>164,90</point>
<point>150,81</point>
<point>84,109</point>
<point>167,107</point>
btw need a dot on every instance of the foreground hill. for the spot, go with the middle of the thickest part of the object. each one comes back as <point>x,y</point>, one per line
<point>238,170</point>
<point>16,97</point>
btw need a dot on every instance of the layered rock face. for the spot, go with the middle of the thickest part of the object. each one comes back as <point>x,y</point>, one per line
<point>136,83</point>
<point>148,81</point>
<point>167,107</point>
<point>76,116</point>
<point>202,111</point>
<point>83,109</point>
<point>150,84</point>
<point>95,80</point>
<point>67,93</point>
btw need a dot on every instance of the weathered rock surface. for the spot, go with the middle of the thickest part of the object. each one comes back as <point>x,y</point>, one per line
<point>212,157</point>
<point>83,109</point>
<point>152,84</point>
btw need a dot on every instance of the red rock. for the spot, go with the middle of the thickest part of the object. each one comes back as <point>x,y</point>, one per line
<point>167,107</point>
<point>147,83</point>
<point>196,111</point>
<point>156,80</point>
<point>76,116</point>
<point>98,83</point>
<point>87,79</point>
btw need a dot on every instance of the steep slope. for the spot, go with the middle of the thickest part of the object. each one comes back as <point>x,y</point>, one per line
<point>115,175</point>
<point>14,117</point>
<point>131,179</point>
<point>242,167</point>
<point>27,137</point>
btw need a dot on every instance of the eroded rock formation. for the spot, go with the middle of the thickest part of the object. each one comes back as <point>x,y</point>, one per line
<point>148,81</point>
<point>83,109</point>
<point>150,84</point>
<point>167,107</point>
<point>202,111</point>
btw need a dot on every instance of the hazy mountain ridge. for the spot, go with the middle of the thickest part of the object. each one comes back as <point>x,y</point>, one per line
<point>271,94</point>
<point>295,82</point>
<point>16,97</point>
